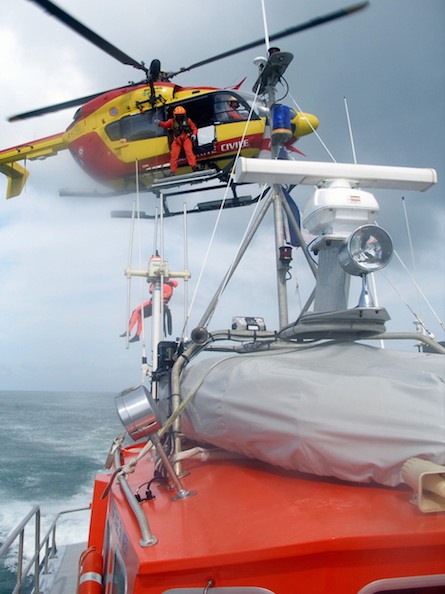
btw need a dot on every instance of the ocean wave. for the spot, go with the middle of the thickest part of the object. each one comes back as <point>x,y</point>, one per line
<point>54,443</point>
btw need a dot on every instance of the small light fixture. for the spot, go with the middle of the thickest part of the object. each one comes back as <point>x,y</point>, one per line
<point>285,255</point>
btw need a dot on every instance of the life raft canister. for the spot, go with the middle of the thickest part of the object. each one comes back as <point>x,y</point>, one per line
<point>90,572</point>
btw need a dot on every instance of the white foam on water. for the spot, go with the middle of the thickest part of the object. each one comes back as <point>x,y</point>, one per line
<point>71,528</point>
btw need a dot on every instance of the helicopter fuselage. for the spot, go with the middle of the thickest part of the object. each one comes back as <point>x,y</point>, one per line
<point>115,134</point>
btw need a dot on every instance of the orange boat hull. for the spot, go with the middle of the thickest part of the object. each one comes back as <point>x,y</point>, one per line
<point>252,525</point>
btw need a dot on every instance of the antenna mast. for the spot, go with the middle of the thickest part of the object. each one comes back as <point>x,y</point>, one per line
<point>270,73</point>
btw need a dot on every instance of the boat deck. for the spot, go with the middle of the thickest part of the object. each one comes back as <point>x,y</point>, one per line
<point>62,578</point>
<point>252,525</point>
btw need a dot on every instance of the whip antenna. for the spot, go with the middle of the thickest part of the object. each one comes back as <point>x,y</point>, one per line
<point>266,31</point>
<point>186,267</point>
<point>351,136</point>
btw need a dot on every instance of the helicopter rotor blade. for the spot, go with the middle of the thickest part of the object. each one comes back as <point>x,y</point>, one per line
<point>88,34</point>
<point>342,12</point>
<point>52,108</point>
<point>153,71</point>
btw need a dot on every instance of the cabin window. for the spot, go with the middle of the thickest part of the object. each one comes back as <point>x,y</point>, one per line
<point>422,584</point>
<point>108,566</point>
<point>119,576</point>
<point>140,126</point>
<point>414,590</point>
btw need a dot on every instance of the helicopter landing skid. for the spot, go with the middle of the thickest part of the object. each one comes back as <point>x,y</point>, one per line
<point>198,208</point>
<point>164,183</point>
<point>174,181</point>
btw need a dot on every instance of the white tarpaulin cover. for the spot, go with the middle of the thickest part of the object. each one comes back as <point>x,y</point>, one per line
<point>346,410</point>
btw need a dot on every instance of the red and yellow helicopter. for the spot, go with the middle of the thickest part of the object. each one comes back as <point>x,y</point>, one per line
<point>114,130</point>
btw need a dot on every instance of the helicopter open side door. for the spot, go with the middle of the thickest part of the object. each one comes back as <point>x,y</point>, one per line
<point>206,140</point>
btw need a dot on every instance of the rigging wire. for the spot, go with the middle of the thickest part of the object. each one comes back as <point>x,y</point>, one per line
<point>186,267</point>
<point>136,231</point>
<point>218,218</point>
<point>421,293</point>
<point>351,136</point>
<point>410,242</point>
<point>129,261</point>
<point>139,243</point>
<point>354,156</point>
<point>313,130</point>
<point>162,253</point>
<point>135,216</point>
<point>234,260</point>
<point>405,302</point>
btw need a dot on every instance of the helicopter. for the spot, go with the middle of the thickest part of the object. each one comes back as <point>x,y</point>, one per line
<point>112,131</point>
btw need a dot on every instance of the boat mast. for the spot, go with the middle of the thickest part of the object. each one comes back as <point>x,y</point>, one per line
<point>269,76</point>
<point>283,315</point>
<point>270,73</point>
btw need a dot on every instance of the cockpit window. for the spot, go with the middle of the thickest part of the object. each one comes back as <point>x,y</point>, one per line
<point>230,107</point>
<point>140,126</point>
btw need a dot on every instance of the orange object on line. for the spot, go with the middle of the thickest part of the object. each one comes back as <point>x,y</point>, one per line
<point>90,572</point>
<point>146,308</point>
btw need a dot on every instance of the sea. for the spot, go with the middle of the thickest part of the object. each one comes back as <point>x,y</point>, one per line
<point>52,445</point>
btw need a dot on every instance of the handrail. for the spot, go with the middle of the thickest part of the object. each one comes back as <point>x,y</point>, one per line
<point>147,538</point>
<point>50,551</point>
<point>436,346</point>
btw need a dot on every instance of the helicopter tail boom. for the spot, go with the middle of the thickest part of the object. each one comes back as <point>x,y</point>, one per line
<point>37,149</point>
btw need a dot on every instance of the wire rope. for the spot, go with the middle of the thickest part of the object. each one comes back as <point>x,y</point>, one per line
<point>218,218</point>
<point>433,311</point>
<point>410,243</point>
<point>139,248</point>
<point>129,262</point>
<point>314,130</point>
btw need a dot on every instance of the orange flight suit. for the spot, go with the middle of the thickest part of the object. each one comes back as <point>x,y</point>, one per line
<point>181,140</point>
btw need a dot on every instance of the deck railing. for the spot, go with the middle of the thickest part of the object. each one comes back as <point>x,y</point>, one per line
<point>38,564</point>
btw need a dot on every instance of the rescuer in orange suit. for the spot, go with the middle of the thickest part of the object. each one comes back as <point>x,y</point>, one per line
<point>147,309</point>
<point>182,129</point>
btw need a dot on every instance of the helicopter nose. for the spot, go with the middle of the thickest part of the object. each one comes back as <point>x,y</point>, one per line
<point>303,124</point>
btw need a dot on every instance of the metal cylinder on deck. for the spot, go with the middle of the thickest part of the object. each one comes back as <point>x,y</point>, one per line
<point>138,412</point>
<point>281,126</point>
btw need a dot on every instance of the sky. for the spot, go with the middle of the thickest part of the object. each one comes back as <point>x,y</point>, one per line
<point>63,301</point>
